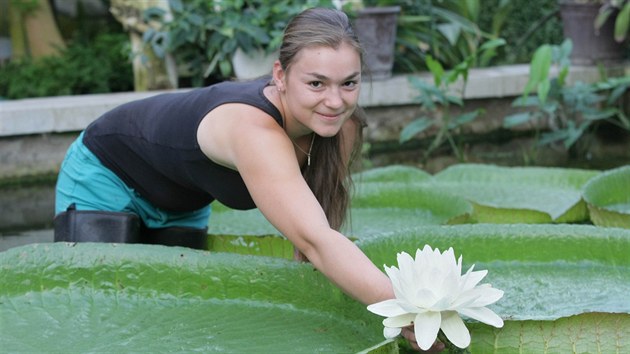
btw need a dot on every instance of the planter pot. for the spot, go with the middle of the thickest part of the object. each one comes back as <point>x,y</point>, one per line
<point>252,65</point>
<point>376,29</point>
<point>589,46</point>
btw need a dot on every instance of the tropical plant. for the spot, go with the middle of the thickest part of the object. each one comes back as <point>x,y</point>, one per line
<point>569,111</point>
<point>437,98</point>
<point>203,35</point>
<point>448,31</point>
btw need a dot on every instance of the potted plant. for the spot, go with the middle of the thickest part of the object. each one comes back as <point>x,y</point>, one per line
<point>375,23</point>
<point>258,28</point>
<point>204,35</point>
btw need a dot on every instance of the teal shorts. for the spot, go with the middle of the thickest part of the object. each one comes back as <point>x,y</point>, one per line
<point>85,182</point>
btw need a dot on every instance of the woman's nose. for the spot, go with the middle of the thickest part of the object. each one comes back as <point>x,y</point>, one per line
<point>333,98</point>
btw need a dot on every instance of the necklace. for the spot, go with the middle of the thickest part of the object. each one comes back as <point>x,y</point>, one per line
<point>308,154</point>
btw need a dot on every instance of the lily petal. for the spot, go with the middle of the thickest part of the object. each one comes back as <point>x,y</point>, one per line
<point>389,332</point>
<point>486,295</point>
<point>399,321</point>
<point>482,314</point>
<point>426,327</point>
<point>455,329</point>
<point>387,308</point>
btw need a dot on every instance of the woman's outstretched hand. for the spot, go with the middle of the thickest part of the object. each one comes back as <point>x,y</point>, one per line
<point>409,335</point>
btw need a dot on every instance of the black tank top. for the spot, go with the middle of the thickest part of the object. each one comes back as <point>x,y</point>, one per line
<point>151,144</point>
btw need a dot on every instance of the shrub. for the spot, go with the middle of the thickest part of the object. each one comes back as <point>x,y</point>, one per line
<point>100,67</point>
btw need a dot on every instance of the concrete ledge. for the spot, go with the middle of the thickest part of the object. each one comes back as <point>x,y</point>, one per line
<point>73,113</point>
<point>59,114</point>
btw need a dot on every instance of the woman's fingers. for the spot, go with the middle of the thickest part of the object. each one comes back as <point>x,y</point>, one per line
<point>409,335</point>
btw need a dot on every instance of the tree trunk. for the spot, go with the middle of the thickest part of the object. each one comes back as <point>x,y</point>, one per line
<point>149,71</point>
<point>42,33</point>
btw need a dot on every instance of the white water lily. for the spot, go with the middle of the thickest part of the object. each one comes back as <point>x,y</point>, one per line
<point>431,293</point>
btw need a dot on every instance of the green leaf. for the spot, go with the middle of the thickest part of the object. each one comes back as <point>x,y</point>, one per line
<point>414,128</point>
<point>602,17</point>
<point>143,298</point>
<point>599,115</point>
<point>539,68</point>
<point>525,194</point>
<point>526,101</point>
<point>546,271</point>
<point>516,119</point>
<point>543,90</point>
<point>450,31</point>
<point>463,119</point>
<point>492,44</point>
<point>622,23</point>
<point>436,69</point>
<point>376,205</point>
<point>392,173</point>
<point>231,222</point>
<point>608,198</point>
<point>585,333</point>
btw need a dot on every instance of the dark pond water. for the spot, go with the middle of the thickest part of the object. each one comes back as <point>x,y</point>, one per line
<point>26,215</point>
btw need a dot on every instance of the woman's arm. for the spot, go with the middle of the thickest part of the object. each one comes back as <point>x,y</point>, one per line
<point>260,150</point>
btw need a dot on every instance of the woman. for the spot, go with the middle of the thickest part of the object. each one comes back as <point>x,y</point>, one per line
<point>283,146</point>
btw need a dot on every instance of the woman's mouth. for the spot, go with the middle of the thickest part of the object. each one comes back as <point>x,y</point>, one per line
<point>330,116</point>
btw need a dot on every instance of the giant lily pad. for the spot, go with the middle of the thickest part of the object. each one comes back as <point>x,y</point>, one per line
<point>381,207</point>
<point>392,173</point>
<point>384,199</point>
<point>518,194</point>
<point>399,197</point>
<point>571,280</point>
<point>608,198</point>
<point>586,333</point>
<point>141,298</point>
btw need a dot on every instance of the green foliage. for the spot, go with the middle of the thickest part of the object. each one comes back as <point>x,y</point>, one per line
<point>568,110</point>
<point>203,37</point>
<point>528,24</point>
<point>437,99</point>
<point>447,31</point>
<point>100,67</point>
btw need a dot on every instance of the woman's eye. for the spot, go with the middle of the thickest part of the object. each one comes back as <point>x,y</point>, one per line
<point>316,84</point>
<point>350,84</point>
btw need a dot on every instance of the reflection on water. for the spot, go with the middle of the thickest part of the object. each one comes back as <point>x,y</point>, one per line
<point>26,215</point>
<point>21,238</point>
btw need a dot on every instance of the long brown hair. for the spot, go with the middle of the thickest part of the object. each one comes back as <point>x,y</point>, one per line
<point>328,176</point>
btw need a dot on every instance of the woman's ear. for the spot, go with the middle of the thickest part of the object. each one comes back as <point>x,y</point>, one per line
<point>278,76</point>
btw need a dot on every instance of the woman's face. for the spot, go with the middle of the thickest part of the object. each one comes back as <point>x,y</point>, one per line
<point>321,89</point>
